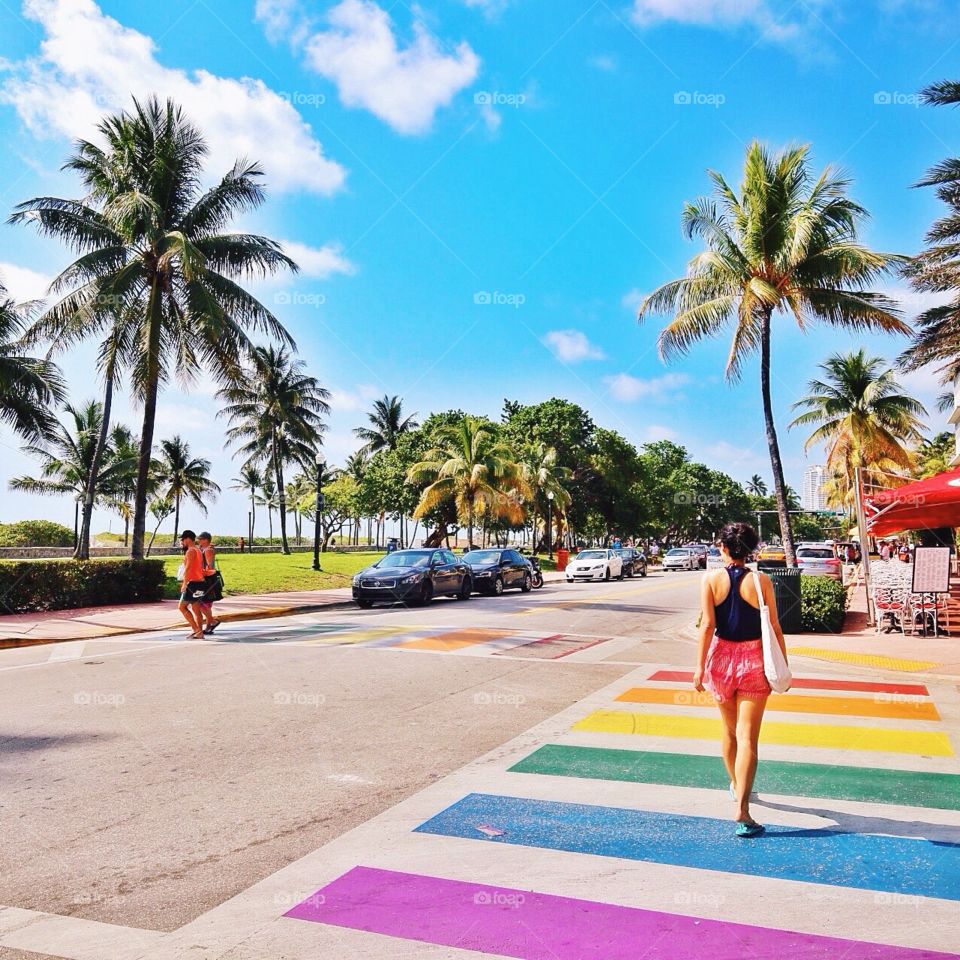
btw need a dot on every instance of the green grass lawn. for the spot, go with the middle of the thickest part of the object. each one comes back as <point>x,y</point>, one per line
<point>273,572</point>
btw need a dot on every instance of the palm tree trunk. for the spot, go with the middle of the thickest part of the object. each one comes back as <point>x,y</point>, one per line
<point>82,551</point>
<point>126,531</point>
<point>470,527</point>
<point>149,419</point>
<point>253,514</point>
<point>270,516</point>
<point>153,536</point>
<point>176,519</point>
<point>776,464</point>
<point>76,524</point>
<point>278,472</point>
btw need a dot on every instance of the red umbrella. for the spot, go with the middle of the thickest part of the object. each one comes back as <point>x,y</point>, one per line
<point>922,505</point>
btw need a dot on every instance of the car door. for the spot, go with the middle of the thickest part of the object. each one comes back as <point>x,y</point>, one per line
<point>518,568</point>
<point>451,572</point>
<point>615,563</point>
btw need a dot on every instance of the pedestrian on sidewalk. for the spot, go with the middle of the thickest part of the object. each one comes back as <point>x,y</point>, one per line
<point>730,660</point>
<point>193,586</point>
<point>213,580</point>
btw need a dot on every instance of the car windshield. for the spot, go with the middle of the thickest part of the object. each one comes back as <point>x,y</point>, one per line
<point>482,556</point>
<point>679,553</point>
<point>816,553</point>
<point>406,558</point>
<point>592,555</point>
<point>713,552</point>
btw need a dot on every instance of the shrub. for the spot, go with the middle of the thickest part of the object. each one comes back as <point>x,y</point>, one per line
<point>823,604</point>
<point>31,585</point>
<point>35,533</point>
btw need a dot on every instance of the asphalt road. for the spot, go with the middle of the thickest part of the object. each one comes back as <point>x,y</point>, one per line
<point>146,780</point>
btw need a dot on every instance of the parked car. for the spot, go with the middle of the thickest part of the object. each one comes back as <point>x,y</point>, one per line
<point>494,571</point>
<point>595,565</point>
<point>700,552</point>
<point>413,576</point>
<point>634,562</point>
<point>714,558</point>
<point>820,561</point>
<point>680,558</point>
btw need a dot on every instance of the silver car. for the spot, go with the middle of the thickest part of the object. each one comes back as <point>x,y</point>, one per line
<point>680,558</point>
<point>820,561</point>
<point>714,559</point>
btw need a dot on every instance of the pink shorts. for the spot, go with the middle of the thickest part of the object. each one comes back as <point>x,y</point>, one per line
<point>735,669</point>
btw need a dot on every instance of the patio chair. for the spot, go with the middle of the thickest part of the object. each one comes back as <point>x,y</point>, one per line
<point>889,605</point>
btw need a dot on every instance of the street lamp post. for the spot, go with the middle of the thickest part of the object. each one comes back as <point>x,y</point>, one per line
<point>550,523</point>
<point>316,519</point>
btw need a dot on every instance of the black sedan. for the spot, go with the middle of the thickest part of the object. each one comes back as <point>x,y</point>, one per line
<point>496,570</point>
<point>634,562</point>
<point>413,576</point>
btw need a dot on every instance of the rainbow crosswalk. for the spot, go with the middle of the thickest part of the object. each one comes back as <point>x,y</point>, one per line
<point>602,835</point>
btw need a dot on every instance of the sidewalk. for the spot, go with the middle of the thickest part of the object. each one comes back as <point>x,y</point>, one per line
<point>58,626</point>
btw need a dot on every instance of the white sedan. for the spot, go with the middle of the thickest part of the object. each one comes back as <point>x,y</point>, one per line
<point>595,565</point>
<point>681,558</point>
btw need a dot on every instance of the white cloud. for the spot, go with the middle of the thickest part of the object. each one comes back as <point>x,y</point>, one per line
<point>726,456</point>
<point>186,419</point>
<point>23,284</point>
<point>656,431</point>
<point>605,62</point>
<point>629,389</point>
<point>277,16</point>
<point>721,13</point>
<point>318,262</point>
<point>571,346</point>
<point>359,398</point>
<point>403,86</point>
<point>632,299</point>
<point>90,65</point>
<point>491,117</point>
<point>489,7</point>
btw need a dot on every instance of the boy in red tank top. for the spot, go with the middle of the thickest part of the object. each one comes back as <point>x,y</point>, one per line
<point>193,585</point>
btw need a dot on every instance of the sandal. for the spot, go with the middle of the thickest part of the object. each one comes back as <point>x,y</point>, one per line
<point>750,829</point>
<point>212,627</point>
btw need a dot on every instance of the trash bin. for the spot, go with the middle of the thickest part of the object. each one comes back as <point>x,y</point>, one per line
<point>563,556</point>
<point>786,591</point>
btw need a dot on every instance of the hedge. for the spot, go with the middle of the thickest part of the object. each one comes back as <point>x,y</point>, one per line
<point>823,604</point>
<point>27,586</point>
<point>35,533</point>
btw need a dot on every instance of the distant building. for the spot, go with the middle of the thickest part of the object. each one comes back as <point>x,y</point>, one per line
<point>813,496</point>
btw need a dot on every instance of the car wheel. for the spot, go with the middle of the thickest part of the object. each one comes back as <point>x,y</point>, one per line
<point>364,604</point>
<point>629,572</point>
<point>643,570</point>
<point>620,576</point>
<point>606,575</point>
<point>426,594</point>
<point>527,584</point>
<point>498,587</point>
<point>466,589</point>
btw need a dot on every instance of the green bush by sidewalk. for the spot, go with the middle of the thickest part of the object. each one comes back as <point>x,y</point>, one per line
<point>35,533</point>
<point>823,604</point>
<point>28,586</point>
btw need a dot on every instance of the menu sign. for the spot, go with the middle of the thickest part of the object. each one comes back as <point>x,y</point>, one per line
<point>931,570</point>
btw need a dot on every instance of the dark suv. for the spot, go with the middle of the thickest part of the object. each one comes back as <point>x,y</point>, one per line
<point>413,576</point>
<point>497,570</point>
<point>634,562</point>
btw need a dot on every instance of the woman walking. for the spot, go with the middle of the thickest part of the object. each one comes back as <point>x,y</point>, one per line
<point>193,585</point>
<point>211,575</point>
<point>730,660</point>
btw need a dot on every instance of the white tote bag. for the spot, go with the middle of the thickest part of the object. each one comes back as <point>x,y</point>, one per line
<point>774,663</point>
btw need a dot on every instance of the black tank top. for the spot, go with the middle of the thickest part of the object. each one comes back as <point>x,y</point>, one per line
<point>737,620</point>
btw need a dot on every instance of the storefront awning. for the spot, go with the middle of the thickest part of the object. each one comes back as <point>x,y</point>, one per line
<point>921,505</point>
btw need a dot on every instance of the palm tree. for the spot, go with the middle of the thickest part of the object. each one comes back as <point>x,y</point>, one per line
<point>28,385</point>
<point>757,486</point>
<point>249,481</point>
<point>387,424</point>
<point>161,508</point>
<point>275,412</point>
<point>155,248</point>
<point>861,416</point>
<point>298,491</point>
<point>125,448</point>
<point>474,468</point>
<point>180,476</point>
<point>269,498</point>
<point>543,476</point>
<point>937,268</point>
<point>935,455</point>
<point>67,462</point>
<point>356,467</point>
<point>787,243</point>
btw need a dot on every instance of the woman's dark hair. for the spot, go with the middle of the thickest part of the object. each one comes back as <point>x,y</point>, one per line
<point>739,540</point>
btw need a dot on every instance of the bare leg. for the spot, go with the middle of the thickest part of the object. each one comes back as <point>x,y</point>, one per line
<point>206,613</point>
<point>188,614</point>
<point>749,717</point>
<point>728,747</point>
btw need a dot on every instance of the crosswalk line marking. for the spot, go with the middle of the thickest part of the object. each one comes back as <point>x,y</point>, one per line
<point>901,664</point>
<point>814,683</point>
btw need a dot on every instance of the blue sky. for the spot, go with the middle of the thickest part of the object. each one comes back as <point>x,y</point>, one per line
<point>479,191</point>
